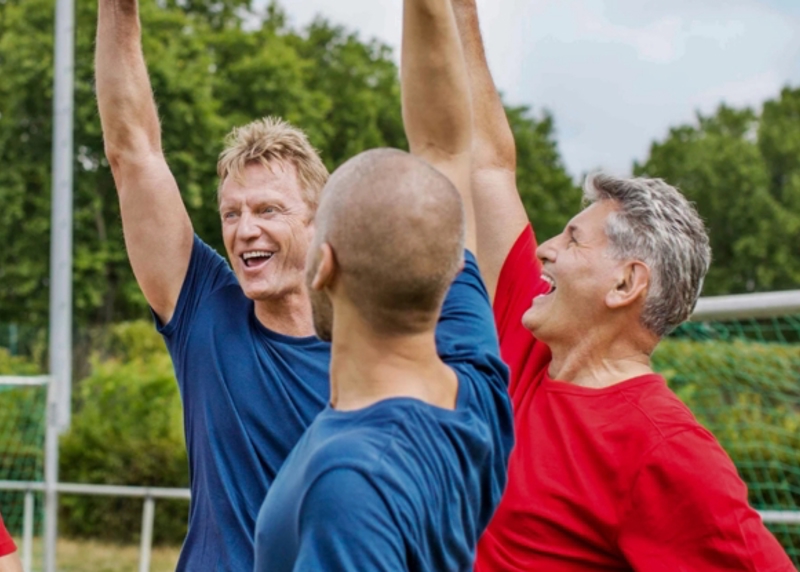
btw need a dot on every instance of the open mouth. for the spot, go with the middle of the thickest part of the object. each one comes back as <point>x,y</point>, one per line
<point>550,283</point>
<point>256,258</point>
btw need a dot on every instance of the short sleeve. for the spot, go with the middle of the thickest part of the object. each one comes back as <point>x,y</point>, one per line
<point>466,326</point>
<point>345,524</point>
<point>688,510</point>
<point>7,545</point>
<point>207,272</point>
<point>519,282</point>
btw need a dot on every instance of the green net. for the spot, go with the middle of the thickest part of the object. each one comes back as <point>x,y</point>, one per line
<point>22,426</point>
<point>742,381</point>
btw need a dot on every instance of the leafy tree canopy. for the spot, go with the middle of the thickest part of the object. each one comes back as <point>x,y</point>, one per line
<point>742,169</point>
<point>214,64</point>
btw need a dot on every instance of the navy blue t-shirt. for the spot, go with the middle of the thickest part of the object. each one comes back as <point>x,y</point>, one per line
<point>248,394</point>
<point>400,485</point>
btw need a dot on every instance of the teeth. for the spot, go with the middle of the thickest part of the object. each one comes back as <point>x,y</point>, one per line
<point>256,254</point>
<point>550,282</point>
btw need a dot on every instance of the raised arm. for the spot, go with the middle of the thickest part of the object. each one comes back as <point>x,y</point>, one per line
<point>436,101</point>
<point>158,232</point>
<point>499,214</point>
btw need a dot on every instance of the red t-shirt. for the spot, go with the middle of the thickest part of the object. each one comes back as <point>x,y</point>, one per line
<point>7,545</point>
<point>620,478</point>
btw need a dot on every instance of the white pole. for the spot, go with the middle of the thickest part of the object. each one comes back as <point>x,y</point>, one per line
<point>27,532</point>
<point>148,515</point>
<point>59,391</point>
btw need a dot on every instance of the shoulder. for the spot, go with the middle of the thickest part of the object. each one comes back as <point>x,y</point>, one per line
<point>355,441</point>
<point>659,409</point>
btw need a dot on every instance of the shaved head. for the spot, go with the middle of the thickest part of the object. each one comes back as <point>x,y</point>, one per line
<point>396,228</point>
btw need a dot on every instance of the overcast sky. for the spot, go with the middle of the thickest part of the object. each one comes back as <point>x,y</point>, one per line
<point>616,74</point>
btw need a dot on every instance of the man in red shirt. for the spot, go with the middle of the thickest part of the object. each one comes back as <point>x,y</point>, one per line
<point>610,470</point>
<point>9,560</point>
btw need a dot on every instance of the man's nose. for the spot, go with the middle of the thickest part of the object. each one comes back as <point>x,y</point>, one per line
<point>546,252</point>
<point>248,226</point>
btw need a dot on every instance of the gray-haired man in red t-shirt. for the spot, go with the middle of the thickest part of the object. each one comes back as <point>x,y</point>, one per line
<point>610,471</point>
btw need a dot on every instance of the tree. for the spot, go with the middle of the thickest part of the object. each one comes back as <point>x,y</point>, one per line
<point>213,64</point>
<point>718,163</point>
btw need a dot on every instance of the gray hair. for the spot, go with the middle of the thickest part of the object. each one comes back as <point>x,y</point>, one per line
<point>657,225</point>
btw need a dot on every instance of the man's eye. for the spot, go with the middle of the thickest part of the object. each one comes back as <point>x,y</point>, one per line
<point>228,215</point>
<point>269,210</point>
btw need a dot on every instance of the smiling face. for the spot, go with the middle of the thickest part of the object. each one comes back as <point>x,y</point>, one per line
<point>579,266</point>
<point>267,229</point>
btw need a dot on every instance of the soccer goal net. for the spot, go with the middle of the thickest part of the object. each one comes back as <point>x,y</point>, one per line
<point>22,430</point>
<point>741,378</point>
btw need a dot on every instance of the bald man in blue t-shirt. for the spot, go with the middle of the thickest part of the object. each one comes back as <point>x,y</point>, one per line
<point>404,468</point>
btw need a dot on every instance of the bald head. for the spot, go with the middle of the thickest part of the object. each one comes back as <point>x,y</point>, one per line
<point>396,228</point>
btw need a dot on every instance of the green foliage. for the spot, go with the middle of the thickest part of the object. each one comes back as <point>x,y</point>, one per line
<point>126,430</point>
<point>743,172</point>
<point>213,64</point>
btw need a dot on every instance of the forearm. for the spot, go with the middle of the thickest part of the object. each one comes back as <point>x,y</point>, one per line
<point>127,111</point>
<point>437,114</point>
<point>493,141</point>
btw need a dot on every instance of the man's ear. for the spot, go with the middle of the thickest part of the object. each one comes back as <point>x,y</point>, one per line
<point>631,285</point>
<point>326,268</point>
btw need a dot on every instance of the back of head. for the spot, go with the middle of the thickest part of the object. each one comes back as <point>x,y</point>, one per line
<point>655,223</point>
<point>396,227</point>
<point>269,140</point>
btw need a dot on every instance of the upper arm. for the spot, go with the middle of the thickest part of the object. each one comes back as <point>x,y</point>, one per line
<point>345,524</point>
<point>500,217</point>
<point>158,232</point>
<point>10,563</point>
<point>9,560</point>
<point>688,510</point>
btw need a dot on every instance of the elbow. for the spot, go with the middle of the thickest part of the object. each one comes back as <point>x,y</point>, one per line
<point>496,154</point>
<point>124,159</point>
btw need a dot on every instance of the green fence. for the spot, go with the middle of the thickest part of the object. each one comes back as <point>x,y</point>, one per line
<point>741,378</point>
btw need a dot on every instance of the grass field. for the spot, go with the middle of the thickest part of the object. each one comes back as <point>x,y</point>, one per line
<point>90,556</point>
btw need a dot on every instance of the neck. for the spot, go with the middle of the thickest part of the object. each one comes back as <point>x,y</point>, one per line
<point>367,368</point>
<point>289,315</point>
<point>601,359</point>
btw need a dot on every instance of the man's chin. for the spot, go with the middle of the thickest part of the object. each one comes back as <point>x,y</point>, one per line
<point>530,319</point>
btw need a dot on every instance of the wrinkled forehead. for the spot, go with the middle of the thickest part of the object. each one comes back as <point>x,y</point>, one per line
<point>276,180</point>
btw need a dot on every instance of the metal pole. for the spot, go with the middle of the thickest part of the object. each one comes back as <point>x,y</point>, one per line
<point>61,230</point>
<point>59,391</point>
<point>27,533</point>
<point>148,515</point>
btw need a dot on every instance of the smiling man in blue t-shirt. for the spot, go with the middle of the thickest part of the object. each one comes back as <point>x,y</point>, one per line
<point>404,468</point>
<point>251,373</point>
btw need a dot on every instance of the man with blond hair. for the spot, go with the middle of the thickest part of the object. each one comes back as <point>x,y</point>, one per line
<point>610,470</point>
<point>251,373</point>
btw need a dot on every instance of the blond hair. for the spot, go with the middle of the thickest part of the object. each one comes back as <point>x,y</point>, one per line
<point>270,140</point>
